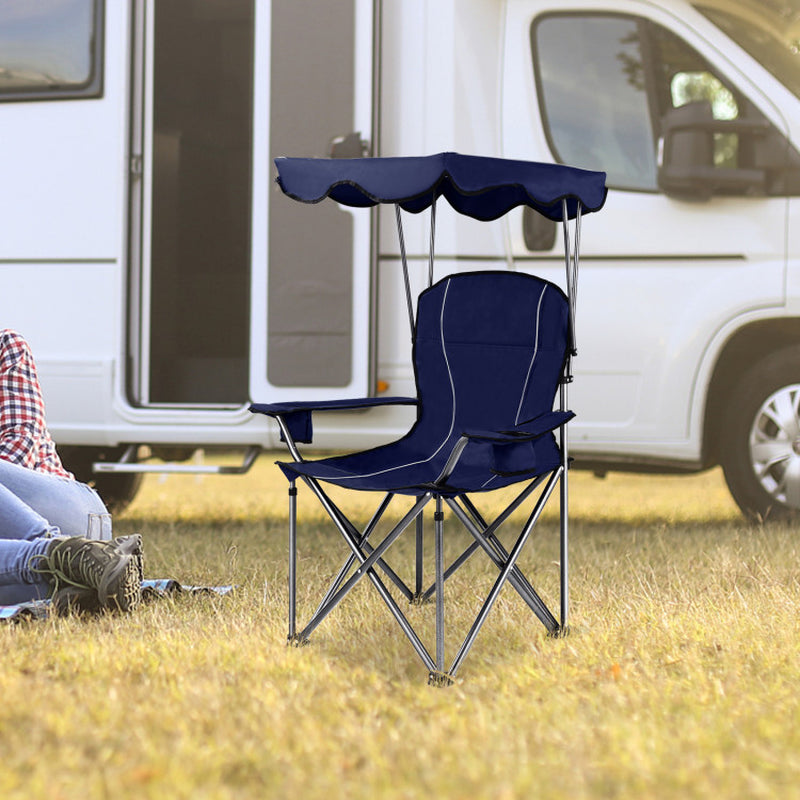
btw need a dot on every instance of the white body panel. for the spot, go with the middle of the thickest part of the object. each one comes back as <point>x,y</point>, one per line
<point>664,283</point>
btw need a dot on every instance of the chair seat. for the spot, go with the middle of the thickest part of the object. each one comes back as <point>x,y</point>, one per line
<point>403,467</point>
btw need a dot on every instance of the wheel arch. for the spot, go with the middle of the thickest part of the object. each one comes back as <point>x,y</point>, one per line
<point>744,348</point>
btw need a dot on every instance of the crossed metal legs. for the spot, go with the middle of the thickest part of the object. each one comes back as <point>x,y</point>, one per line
<point>366,560</point>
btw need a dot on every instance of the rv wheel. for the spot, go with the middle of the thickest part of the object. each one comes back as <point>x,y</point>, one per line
<point>116,490</point>
<point>760,442</point>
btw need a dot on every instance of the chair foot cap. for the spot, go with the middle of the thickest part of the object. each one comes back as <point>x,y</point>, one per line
<point>440,679</point>
<point>559,632</point>
<point>296,641</point>
<point>420,599</point>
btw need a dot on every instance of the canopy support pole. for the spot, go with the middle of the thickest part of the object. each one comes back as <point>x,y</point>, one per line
<point>433,239</point>
<point>402,240</point>
<point>576,254</point>
<point>571,261</point>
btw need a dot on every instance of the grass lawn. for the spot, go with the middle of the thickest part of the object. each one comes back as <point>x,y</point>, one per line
<point>680,678</point>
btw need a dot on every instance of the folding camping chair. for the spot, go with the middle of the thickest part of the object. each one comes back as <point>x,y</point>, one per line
<point>491,351</point>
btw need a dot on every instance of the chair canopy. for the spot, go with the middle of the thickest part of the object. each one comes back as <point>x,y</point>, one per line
<point>488,353</point>
<point>481,187</point>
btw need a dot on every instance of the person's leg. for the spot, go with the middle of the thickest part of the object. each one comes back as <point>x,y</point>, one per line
<point>37,558</point>
<point>19,521</point>
<point>25,535</point>
<point>65,504</point>
<point>18,582</point>
<point>76,572</point>
<point>109,571</point>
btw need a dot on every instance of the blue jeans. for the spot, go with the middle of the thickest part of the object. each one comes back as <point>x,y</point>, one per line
<point>35,507</point>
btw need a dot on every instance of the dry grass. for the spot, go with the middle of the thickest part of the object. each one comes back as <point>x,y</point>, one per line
<point>680,678</point>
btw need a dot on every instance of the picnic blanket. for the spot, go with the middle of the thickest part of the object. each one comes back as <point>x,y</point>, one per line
<point>151,590</point>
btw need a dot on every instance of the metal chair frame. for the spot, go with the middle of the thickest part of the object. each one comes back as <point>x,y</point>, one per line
<point>366,560</point>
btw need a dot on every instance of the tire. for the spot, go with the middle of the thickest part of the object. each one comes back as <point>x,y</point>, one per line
<point>116,490</point>
<point>760,438</point>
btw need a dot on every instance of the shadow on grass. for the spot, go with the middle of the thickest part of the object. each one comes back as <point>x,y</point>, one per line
<point>613,566</point>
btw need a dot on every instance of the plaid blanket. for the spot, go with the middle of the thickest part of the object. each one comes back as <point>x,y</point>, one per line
<point>151,590</point>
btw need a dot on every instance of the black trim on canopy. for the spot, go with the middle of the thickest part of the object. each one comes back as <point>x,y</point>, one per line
<point>477,186</point>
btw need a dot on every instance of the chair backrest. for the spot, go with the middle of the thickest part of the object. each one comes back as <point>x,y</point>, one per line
<point>489,350</point>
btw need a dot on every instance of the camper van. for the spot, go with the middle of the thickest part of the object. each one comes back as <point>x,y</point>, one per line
<point>164,281</point>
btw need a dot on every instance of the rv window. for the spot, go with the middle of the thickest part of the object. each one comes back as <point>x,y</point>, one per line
<point>594,103</point>
<point>603,107</point>
<point>50,48</point>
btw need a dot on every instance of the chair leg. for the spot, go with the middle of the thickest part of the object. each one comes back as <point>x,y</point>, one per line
<point>348,565</point>
<point>563,436</point>
<point>292,561</point>
<point>366,559</point>
<point>564,577</point>
<point>439,677</point>
<point>516,579</point>
<point>439,545</point>
<point>489,529</point>
<point>366,567</point>
<point>505,575</point>
<point>418,566</point>
<point>367,564</point>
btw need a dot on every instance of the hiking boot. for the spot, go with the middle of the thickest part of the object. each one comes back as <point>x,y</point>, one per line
<point>76,600</point>
<point>82,600</point>
<point>133,544</point>
<point>112,569</point>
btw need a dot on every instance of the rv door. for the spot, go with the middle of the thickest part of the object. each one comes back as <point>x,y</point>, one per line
<point>311,276</point>
<point>191,170</point>
<point>237,292</point>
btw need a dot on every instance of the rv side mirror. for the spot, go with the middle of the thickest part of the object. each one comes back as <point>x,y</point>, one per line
<point>686,164</point>
<point>349,146</point>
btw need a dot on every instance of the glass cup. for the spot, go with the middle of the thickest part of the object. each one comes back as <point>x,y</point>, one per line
<point>99,527</point>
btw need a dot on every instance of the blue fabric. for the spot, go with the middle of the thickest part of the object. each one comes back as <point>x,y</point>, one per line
<point>532,429</point>
<point>480,187</point>
<point>489,350</point>
<point>161,587</point>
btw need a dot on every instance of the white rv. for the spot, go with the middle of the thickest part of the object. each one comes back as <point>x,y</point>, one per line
<point>165,283</point>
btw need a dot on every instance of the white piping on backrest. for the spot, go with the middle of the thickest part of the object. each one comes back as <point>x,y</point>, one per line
<point>450,377</point>
<point>452,417</point>
<point>530,369</point>
<point>533,357</point>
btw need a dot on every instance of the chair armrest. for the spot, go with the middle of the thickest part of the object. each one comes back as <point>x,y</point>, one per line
<point>297,415</point>
<point>279,409</point>
<point>526,432</point>
<point>531,429</point>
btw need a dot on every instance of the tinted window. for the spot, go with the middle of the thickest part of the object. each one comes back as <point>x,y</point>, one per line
<point>603,106</point>
<point>593,97</point>
<point>49,47</point>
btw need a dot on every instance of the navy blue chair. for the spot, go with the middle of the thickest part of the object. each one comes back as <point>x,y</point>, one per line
<point>492,354</point>
<point>489,355</point>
